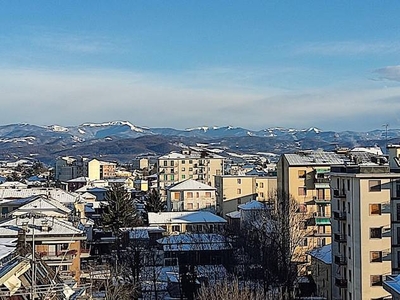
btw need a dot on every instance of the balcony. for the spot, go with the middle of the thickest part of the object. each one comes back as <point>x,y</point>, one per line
<point>321,183</point>
<point>322,221</point>
<point>339,193</point>
<point>341,282</point>
<point>85,253</point>
<point>58,255</point>
<point>340,215</point>
<point>340,260</point>
<point>385,208</point>
<point>340,238</point>
<point>317,201</point>
<point>387,255</point>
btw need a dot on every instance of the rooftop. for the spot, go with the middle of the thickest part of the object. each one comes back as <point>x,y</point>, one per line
<point>190,184</point>
<point>323,254</point>
<point>184,217</point>
<point>313,158</point>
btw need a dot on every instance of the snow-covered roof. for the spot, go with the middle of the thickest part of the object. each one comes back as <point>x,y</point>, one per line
<point>13,184</point>
<point>252,205</point>
<point>392,284</point>
<point>190,185</point>
<point>323,254</point>
<point>193,155</point>
<point>88,196</point>
<point>42,204</point>
<point>55,193</point>
<point>194,242</point>
<point>79,179</point>
<point>180,217</point>
<point>7,246</point>
<point>234,215</point>
<point>10,228</point>
<point>313,158</point>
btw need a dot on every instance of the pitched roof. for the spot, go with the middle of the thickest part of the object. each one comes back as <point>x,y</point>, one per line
<point>313,158</point>
<point>43,204</point>
<point>11,227</point>
<point>190,184</point>
<point>323,254</point>
<point>184,217</point>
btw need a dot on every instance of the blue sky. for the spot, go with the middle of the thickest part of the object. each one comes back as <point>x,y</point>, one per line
<point>255,64</point>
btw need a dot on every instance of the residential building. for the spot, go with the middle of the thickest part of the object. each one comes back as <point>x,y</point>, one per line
<point>98,170</point>
<point>174,167</point>
<point>233,190</point>
<point>67,168</point>
<point>305,177</point>
<point>190,195</point>
<point>321,270</point>
<point>196,221</point>
<point>361,226</point>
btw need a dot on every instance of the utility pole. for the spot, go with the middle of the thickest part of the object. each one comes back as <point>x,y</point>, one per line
<point>386,136</point>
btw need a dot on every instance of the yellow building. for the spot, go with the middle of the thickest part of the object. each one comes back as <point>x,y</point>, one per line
<point>175,167</point>
<point>98,170</point>
<point>361,227</point>
<point>305,176</point>
<point>233,190</point>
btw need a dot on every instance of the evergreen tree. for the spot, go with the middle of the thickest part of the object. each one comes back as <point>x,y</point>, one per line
<point>119,210</point>
<point>154,203</point>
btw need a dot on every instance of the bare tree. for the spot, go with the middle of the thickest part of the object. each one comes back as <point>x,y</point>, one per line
<point>273,243</point>
<point>234,290</point>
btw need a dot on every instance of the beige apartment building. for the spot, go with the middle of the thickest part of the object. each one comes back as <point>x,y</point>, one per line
<point>190,195</point>
<point>305,176</point>
<point>99,170</point>
<point>361,227</point>
<point>189,164</point>
<point>234,190</point>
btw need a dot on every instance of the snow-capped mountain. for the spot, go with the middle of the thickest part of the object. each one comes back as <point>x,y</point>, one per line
<point>125,138</point>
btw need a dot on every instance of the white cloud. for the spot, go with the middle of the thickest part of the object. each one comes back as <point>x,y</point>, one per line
<point>70,98</point>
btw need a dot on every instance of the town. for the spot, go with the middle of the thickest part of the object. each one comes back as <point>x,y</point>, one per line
<point>194,224</point>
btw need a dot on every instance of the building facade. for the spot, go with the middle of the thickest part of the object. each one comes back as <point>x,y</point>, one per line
<point>200,166</point>
<point>361,227</point>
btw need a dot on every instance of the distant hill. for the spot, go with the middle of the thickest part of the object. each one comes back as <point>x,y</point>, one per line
<point>122,141</point>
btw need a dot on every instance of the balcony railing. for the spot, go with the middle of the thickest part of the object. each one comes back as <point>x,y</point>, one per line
<point>338,193</point>
<point>340,260</point>
<point>340,238</point>
<point>340,215</point>
<point>341,282</point>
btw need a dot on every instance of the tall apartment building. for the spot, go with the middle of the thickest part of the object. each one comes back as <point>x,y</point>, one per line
<point>98,170</point>
<point>361,227</point>
<point>67,168</point>
<point>175,167</point>
<point>305,176</point>
<point>233,190</point>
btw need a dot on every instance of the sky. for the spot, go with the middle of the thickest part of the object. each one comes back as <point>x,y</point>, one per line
<point>253,64</point>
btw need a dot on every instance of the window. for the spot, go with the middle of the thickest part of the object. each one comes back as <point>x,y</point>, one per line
<point>172,171</point>
<point>190,161</point>
<point>348,229</point>
<point>302,173</point>
<point>197,195</point>
<point>208,194</point>
<point>397,211</point>
<point>183,169</point>
<point>349,256</point>
<point>376,233</point>
<point>302,191</point>
<point>376,280</point>
<point>261,185</point>
<point>376,256</point>
<point>189,205</point>
<point>348,184</point>
<point>172,177</point>
<point>189,194</point>
<point>190,169</point>
<point>374,185</point>
<point>183,176</point>
<point>375,209</point>
<point>177,196</point>
<point>350,275</point>
<point>176,228</point>
<point>172,163</point>
<point>239,181</point>
<point>239,191</point>
<point>262,195</point>
<point>165,163</point>
<point>183,162</point>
